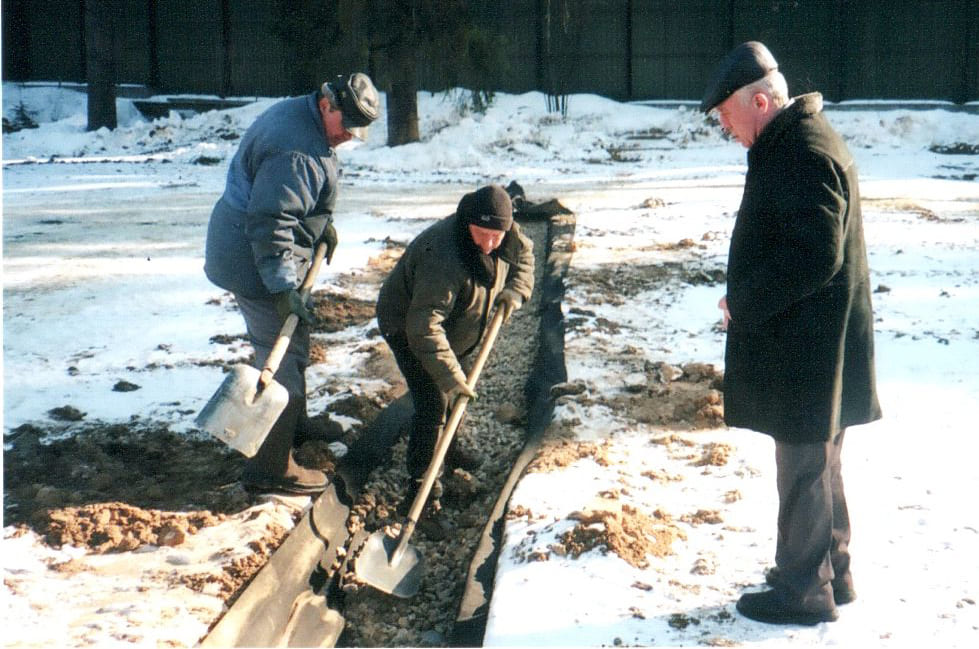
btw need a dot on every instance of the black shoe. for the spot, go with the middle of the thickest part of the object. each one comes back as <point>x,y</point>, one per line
<point>843,592</point>
<point>433,524</point>
<point>459,458</point>
<point>771,607</point>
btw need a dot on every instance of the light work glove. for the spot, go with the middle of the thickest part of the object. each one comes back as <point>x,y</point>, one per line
<point>291,301</point>
<point>457,391</point>
<point>331,239</point>
<point>508,300</point>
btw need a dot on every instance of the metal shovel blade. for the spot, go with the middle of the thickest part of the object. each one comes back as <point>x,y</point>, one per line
<point>239,414</point>
<point>377,566</point>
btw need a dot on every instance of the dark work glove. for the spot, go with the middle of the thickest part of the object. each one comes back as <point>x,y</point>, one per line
<point>508,300</point>
<point>331,239</point>
<point>291,301</point>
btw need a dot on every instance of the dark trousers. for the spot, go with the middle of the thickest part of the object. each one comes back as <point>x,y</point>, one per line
<point>429,402</point>
<point>263,324</point>
<point>274,457</point>
<point>812,553</point>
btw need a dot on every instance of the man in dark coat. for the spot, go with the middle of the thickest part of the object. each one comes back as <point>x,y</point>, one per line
<point>434,306</point>
<point>799,361</point>
<point>277,205</point>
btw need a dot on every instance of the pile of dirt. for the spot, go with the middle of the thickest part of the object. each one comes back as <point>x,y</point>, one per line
<point>335,311</point>
<point>556,454</point>
<point>116,487</point>
<point>626,532</point>
<point>120,467</point>
<point>686,397</point>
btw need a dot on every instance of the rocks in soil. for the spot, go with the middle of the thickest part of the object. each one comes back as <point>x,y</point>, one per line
<point>66,413</point>
<point>125,386</point>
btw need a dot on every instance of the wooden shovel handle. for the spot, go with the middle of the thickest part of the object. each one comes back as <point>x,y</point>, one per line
<point>289,326</point>
<point>445,439</point>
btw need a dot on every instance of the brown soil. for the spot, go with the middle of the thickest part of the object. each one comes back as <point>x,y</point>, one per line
<point>685,398</point>
<point>116,487</point>
<point>335,312</point>
<point>626,532</point>
<point>557,454</point>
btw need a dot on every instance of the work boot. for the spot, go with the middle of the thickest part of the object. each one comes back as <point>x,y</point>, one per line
<point>274,469</point>
<point>316,429</point>
<point>458,457</point>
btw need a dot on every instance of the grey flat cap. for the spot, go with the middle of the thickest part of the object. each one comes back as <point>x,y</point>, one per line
<point>746,63</point>
<point>359,102</point>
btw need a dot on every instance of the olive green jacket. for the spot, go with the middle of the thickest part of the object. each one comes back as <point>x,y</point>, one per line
<point>433,298</point>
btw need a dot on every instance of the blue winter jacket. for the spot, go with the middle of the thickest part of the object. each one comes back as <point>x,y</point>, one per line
<point>278,199</point>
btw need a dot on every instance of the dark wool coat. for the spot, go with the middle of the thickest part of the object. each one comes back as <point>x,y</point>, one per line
<point>278,199</point>
<point>433,297</point>
<point>799,361</point>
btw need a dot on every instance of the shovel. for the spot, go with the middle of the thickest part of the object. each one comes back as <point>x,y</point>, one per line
<point>246,405</point>
<point>391,565</point>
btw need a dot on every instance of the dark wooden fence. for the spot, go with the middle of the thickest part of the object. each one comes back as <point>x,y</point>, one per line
<point>625,49</point>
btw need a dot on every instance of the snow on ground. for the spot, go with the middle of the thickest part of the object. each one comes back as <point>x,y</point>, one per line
<point>102,254</point>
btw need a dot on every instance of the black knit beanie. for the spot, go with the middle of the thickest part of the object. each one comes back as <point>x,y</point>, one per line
<point>488,207</point>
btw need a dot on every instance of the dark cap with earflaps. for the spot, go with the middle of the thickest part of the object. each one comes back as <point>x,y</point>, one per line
<point>358,102</point>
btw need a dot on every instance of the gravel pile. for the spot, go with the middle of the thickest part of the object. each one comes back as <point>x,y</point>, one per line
<point>494,431</point>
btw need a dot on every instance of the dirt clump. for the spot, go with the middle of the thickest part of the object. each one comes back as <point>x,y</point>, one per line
<point>143,467</point>
<point>702,517</point>
<point>118,527</point>
<point>627,533</point>
<point>689,397</point>
<point>557,454</point>
<point>714,454</point>
<point>335,312</point>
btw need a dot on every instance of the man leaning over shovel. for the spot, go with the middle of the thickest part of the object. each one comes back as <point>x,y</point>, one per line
<point>277,206</point>
<point>433,310</point>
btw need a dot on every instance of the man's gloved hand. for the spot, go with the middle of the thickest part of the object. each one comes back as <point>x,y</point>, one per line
<point>331,239</point>
<point>291,301</point>
<point>508,300</point>
<point>458,390</point>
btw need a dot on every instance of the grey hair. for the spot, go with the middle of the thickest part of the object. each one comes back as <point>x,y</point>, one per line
<point>327,91</point>
<point>773,84</point>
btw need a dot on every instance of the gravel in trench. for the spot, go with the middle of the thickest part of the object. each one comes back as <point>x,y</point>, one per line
<point>494,431</point>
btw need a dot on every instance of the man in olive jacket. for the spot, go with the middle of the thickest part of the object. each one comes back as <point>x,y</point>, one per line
<point>434,306</point>
<point>277,205</point>
<point>799,360</point>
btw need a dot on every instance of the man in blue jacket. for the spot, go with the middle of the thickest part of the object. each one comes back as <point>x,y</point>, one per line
<point>277,205</point>
<point>799,360</point>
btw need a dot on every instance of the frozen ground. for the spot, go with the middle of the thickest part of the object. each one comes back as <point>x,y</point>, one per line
<point>102,254</point>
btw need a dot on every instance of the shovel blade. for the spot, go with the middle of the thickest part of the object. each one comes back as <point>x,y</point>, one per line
<point>374,566</point>
<point>239,414</point>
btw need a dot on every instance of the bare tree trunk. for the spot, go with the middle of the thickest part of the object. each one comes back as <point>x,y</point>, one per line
<point>403,98</point>
<point>226,54</point>
<point>99,63</point>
